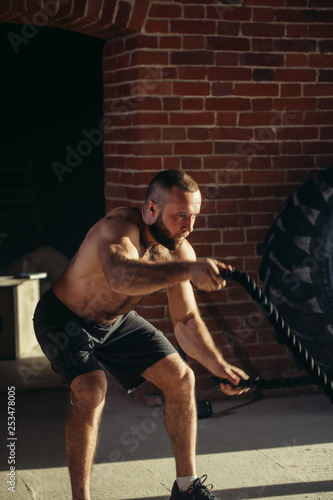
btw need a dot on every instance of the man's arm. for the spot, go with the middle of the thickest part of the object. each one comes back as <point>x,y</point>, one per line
<point>194,338</point>
<point>119,255</point>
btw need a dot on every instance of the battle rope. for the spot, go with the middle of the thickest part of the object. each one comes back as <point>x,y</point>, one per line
<point>317,374</point>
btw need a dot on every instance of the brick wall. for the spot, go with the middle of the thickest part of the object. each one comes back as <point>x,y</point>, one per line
<point>239,94</point>
<point>241,97</point>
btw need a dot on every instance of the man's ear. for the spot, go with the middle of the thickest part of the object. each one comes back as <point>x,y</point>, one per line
<point>151,211</point>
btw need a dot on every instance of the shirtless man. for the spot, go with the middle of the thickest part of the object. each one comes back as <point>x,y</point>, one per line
<point>87,321</point>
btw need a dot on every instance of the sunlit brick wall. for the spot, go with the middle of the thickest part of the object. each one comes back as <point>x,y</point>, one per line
<point>240,96</point>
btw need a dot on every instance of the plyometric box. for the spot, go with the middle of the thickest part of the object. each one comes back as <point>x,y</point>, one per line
<point>18,299</point>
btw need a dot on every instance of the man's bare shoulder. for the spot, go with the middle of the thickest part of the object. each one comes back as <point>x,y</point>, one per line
<point>121,221</point>
<point>186,252</point>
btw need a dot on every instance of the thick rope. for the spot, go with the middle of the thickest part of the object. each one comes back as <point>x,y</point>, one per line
<point>316,373</point>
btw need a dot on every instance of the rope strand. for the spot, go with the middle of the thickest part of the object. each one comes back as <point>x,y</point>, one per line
<point>317,374</point>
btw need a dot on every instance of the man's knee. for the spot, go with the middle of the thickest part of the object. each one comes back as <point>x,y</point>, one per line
<point>88,390</point>
<point>181,379</point>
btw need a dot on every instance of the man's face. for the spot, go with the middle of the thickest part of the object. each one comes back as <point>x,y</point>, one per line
<point>175,222</point>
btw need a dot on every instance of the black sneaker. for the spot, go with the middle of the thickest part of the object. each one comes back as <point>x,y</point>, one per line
<point>195,492</point>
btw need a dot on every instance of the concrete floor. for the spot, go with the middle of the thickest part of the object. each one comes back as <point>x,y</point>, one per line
<point>269,448</point>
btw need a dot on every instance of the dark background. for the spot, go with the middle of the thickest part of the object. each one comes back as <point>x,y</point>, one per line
<point>51,89</point>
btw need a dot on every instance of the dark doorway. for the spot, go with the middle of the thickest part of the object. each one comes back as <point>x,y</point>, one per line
<point>51,173</point>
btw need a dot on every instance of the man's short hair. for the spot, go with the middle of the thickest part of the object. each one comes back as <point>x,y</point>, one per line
<point>165,180</point>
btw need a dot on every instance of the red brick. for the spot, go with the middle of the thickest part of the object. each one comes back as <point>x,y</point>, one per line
<point>194,11</point>
<point>262,44</point>
<point>262,104</point>
<point>263,74</point>
<point>147,149</point>
<point>198,134</point>
<point>292,133</point>
<point>231,220</point>
<point>260,162</point>
<point>149,58</point>
<point>294,60</point>
<point>263,15</point>
<point>255,119</point>
<point>229,74</point>
<point>325,103</point>
<point>256,234</point>
<point>324,161</point>
<point>295,104</point>
<point>294,45</point>
<point>227,207</point>
<point>291,148</point>
<point>320,61</point>
<point>171,103</point>
<point>326,133</point>
<point>273,3</point>
<point>301,175</point>
<point>193,42</point>
<point>192,104</point>
<point>232,133</point>
<point>238,44</point>
<point>190,118</point>
<point>317,148</point>
<point>290,90</point>
<point>192,27</point>
<point>205,236</point>
<point>226,59</point>
<point>219,88</point>
<point>141,42</point>
<point>297,30</point>
<point>256,89</point>
<point>296,15</point>
<point>300,161</point>
<point>258,148</point>
<point>171,162</point>
<point>262,177</point>
<point>258,206</point>
<point>234,192</point>
<point>234,250</point>
<point>170,42</point>
<point>153,26</point>
<point>233,236</point>
<point>320,30</point>
<point>191,88</point>
<point>226,118</point>
<point>229,13</point>
<point>192,58</point>
<point>295,75</point>
<point>225,28</point>
<point>232,103</point>
<point>196,73</point>
<point>226,148</point>
<point>202,148</point>
<point>319,89</point>
<point>262,29</point>
<point>261,60</point>
<point>325,75</point>
<point>168,11</point>
<point>173,134</point>
<point>152,118</point>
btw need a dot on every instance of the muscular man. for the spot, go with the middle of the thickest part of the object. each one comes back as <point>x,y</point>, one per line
<point>87,321</point>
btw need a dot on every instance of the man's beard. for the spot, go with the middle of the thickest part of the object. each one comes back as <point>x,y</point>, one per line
<point>161,234</point>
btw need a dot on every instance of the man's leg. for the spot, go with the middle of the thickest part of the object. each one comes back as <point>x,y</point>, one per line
<point>88,396</point>
<point>176,380</point>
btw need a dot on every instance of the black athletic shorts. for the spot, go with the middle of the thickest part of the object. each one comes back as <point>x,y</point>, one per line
<point>126,348</point>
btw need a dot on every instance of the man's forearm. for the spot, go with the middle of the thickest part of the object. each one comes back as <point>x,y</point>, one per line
<point>133,277</point>
<point>195,339</point>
